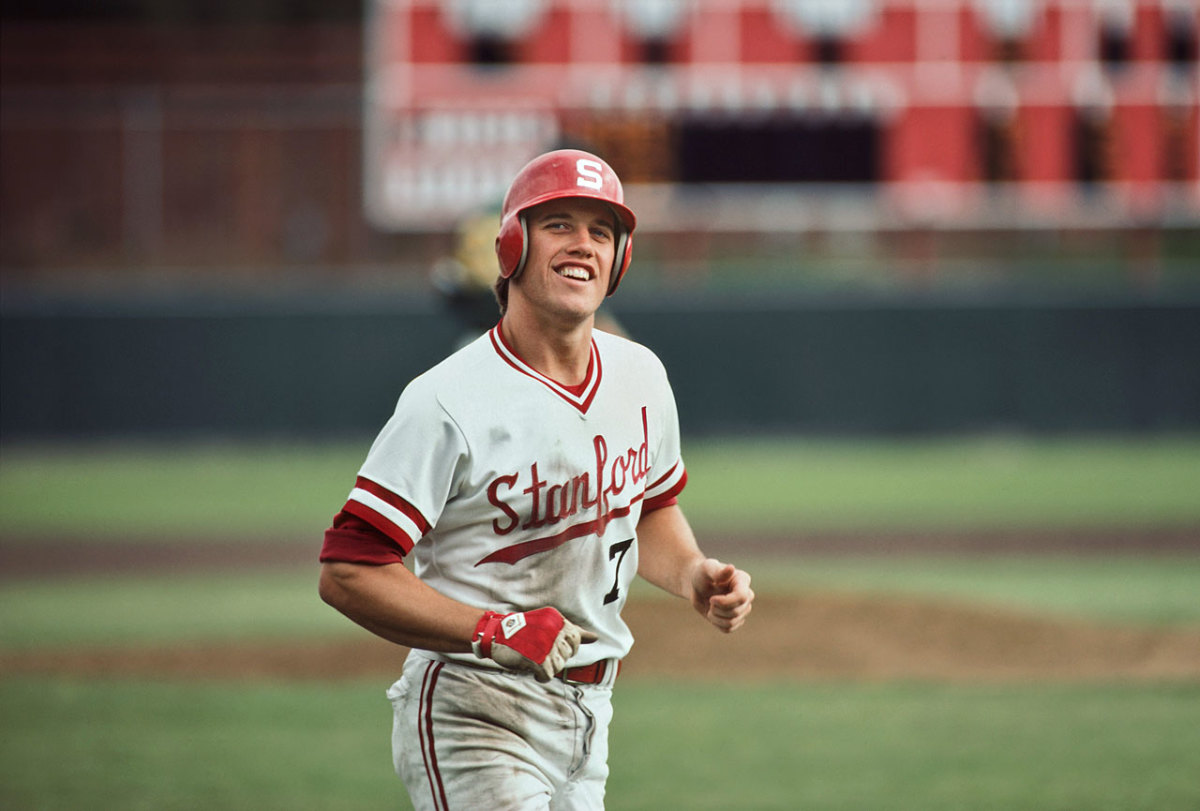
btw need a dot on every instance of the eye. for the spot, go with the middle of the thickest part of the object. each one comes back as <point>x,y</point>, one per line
<point>602,233</point>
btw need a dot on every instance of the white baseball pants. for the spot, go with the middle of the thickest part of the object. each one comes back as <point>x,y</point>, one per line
<point>467,738</point>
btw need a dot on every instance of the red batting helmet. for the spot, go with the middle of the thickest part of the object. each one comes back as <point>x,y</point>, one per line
<point>552,176</point>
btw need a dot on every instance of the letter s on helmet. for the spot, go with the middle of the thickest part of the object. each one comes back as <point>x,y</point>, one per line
<point>552,176</point>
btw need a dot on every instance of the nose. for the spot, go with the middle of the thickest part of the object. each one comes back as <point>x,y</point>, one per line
<point>581,244</point>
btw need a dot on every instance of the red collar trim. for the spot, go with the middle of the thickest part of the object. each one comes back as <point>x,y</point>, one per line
<point>580,396</point>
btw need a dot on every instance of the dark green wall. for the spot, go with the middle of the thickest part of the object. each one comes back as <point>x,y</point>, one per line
<point>325,368</point>
<point>932,367</point>
<point>210,370</point>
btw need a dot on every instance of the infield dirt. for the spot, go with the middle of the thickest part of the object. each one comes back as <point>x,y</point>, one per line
<point>818,635</point>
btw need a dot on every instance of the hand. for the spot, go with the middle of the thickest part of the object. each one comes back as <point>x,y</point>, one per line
<point>721,593</point>
<point>538,642</point>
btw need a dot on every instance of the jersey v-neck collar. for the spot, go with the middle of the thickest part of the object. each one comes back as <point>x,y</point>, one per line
<point>580,396</point>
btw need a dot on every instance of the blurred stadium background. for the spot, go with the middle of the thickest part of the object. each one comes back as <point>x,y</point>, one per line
<point>875,216</point>
<point>948,249</point>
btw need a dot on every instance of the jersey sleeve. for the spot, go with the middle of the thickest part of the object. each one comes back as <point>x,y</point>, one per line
<point>667,476</point>
<point>409,474</point>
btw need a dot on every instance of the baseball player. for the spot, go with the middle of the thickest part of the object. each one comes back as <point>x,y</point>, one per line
<point>505,508</point>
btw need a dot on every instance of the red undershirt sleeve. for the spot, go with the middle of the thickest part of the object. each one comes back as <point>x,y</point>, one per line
<point>353,540</point>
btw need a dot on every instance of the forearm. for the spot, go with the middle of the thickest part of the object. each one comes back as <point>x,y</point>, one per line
<point>670,558</point>
<point>393,603</point>
<point>667,551</point>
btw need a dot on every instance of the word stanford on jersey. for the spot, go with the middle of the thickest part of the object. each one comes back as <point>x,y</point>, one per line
<point>544,503</point>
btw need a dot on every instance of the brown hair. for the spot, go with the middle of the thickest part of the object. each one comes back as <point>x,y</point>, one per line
<point>500,289</point>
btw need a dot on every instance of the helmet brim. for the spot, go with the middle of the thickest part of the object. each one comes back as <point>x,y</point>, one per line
<point>624,214</point>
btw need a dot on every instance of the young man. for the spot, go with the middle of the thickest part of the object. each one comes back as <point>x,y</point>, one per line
<point>504,509</point>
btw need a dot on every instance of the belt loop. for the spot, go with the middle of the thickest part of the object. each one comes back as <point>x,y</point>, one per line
<point>614,670</point>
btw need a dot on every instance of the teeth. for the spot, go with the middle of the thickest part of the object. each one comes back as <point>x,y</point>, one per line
<point>575,273</point>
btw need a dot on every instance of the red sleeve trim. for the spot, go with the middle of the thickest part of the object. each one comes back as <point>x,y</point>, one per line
<point>380,524</point>
<point>658,503</point>
<point>678,486</point>
<point>353,540</point>
<point>381,492</point>
<point>667,499</point>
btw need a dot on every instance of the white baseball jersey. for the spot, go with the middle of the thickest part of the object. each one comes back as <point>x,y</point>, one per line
<point>510,491</point>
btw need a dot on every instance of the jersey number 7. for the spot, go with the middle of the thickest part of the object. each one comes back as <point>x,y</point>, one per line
<point>617,551</point>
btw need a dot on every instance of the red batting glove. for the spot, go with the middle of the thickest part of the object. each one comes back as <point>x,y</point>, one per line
<point>538,642</point>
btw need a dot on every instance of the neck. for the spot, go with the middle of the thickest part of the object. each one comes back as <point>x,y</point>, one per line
<point>561,354</point>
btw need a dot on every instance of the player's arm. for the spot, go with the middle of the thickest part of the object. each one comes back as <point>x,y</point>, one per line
<point>393,603</point>
<point>670,558</point>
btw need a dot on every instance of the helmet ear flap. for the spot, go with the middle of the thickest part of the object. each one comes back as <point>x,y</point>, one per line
<point>621,260</point>
<point>512,246</point>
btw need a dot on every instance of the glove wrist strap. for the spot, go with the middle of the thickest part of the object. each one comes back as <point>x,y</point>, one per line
<point>485,632</point>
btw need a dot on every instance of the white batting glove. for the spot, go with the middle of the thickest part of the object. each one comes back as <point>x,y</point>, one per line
<point>538,642</point>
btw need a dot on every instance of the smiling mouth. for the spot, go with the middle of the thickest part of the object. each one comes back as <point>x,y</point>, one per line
<point>575,272</point>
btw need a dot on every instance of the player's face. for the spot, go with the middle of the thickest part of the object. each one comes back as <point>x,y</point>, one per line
<point>571,247</point>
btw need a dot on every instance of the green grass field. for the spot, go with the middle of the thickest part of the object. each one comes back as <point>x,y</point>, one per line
<point>74,742</point>
<point>152,492</point>
<point>149,746</point>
